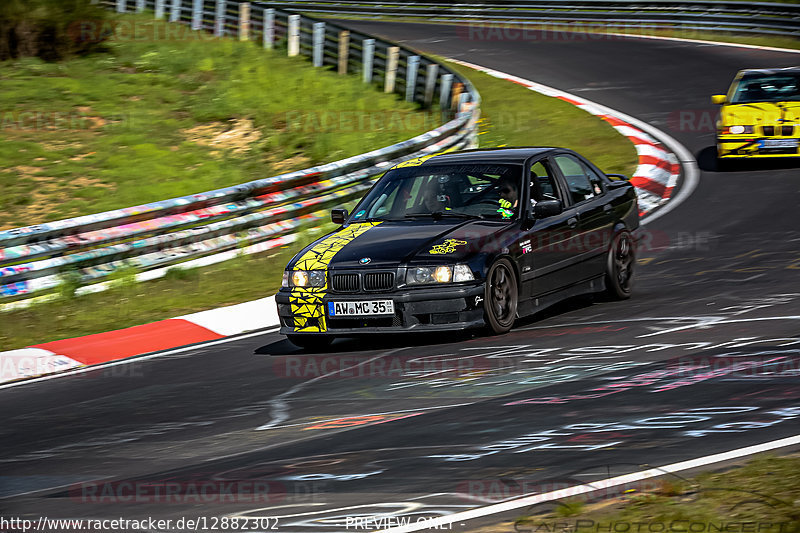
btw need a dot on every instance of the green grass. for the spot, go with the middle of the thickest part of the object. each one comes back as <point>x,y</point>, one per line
<point>117,129</point>
<point>765,490</point>
<point>513,116</point>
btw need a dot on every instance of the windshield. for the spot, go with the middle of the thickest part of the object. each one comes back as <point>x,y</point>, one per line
<point>777,88</point>
<point>437,191</point>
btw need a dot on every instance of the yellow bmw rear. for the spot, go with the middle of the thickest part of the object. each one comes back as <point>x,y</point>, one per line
<point>760,116</point>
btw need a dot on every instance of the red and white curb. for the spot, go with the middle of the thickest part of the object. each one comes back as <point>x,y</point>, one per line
<point>70,354</point>
<point>659,169</point>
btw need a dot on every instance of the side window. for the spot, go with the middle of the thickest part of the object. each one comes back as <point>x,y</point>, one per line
<point>597,182</point>
<point>580,187</point>
<point>543,184</point>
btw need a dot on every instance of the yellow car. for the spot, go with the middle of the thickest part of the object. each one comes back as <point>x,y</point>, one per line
<point>760,115</point>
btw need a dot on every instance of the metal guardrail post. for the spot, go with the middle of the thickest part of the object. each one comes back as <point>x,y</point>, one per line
<point>318,43</point>
<point>444,93</point>
<point>121,6</point>
<point>139,6</point>
<point>455,96</point>
<point>219,18</point>
<point>430,83</point>
<point>269,28</point>
<point>392,58</point>
<point>367,57</point>
<point>294,35</point>
<point>463,100</point>
<point>175,11</point>
<point>344,51</point>
<point>197,14</point>
<point>412,66</point>
<point>244,21</point>
<point>160,9</point>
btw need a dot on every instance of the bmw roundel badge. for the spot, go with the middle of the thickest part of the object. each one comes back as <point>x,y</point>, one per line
<point>364,260</point>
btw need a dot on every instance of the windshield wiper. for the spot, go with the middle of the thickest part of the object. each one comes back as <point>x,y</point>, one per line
<point>436,215</point>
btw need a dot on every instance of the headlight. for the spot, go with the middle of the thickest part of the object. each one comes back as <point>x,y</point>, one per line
<point>738,130</point>
<point>303,278</point>
<point>462,273</point>
<point>438,274</point>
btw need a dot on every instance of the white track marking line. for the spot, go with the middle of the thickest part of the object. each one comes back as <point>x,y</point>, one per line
<point>279,405</point>
<point>714,43</point>
<point>648,319</point>
<point>445,522</point>
<point>333,418</point>
<point>136,358</point>
<point>712,322</point>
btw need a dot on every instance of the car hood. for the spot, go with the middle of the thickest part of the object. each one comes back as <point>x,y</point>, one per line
<point>757,113</point>
<point>393,243</point>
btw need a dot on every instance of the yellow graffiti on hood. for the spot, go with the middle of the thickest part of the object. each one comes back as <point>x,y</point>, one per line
<point>447,247</point>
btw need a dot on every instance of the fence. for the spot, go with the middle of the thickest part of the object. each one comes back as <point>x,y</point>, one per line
<point>710,15</point>
<point>169,232</point>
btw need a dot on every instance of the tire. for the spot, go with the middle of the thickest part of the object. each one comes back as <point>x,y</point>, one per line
<point>311,342</point>
<point>500,297</point>
<point>620,266</point>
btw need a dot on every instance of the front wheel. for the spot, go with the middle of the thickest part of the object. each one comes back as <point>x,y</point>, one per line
<point>500,297</point>
<point>620,266</point>
<point>311,342</point>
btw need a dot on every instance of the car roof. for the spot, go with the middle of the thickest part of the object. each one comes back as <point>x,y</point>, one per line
<point>490,155</point>
<point>770,71</point>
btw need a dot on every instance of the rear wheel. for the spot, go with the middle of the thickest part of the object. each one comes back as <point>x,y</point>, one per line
<point>620,266</point>
<point>311,342</point>
<point>501,297</point>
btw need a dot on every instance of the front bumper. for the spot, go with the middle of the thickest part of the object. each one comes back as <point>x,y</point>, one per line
<point>418,309</point>
<point>750,146</point>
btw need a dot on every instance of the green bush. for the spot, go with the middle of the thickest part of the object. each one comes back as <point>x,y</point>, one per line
<point>50,29</point>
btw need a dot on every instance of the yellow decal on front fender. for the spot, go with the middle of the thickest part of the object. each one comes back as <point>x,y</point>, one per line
<point>306,302</point>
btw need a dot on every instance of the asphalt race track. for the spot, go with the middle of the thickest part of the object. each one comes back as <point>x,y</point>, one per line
<point>703,359</point>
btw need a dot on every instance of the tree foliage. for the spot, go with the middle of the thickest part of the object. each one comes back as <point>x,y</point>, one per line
<point>47,29</point>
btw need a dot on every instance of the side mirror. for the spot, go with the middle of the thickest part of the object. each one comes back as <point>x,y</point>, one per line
<point>617,177</point>
<point>547,208</point>
<point>719,99</point>
<point>338,216</point>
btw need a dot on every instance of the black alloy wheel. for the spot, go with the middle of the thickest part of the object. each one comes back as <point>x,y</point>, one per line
<point>501,297</point>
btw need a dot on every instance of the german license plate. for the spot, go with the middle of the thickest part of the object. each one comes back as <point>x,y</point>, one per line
<point>361,308</point>
<point>779,143</point>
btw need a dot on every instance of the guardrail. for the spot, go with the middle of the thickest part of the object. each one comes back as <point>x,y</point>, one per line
<point>169,232</point>
<point>710,15</point>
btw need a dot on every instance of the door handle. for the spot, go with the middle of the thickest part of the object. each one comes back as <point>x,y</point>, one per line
<point>607,207</point>
<point>572,222</point>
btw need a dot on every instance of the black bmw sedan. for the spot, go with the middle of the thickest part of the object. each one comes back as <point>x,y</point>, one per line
<point>465,239</point>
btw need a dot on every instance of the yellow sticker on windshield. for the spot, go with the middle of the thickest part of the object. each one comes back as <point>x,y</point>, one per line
<point>417,161</point>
